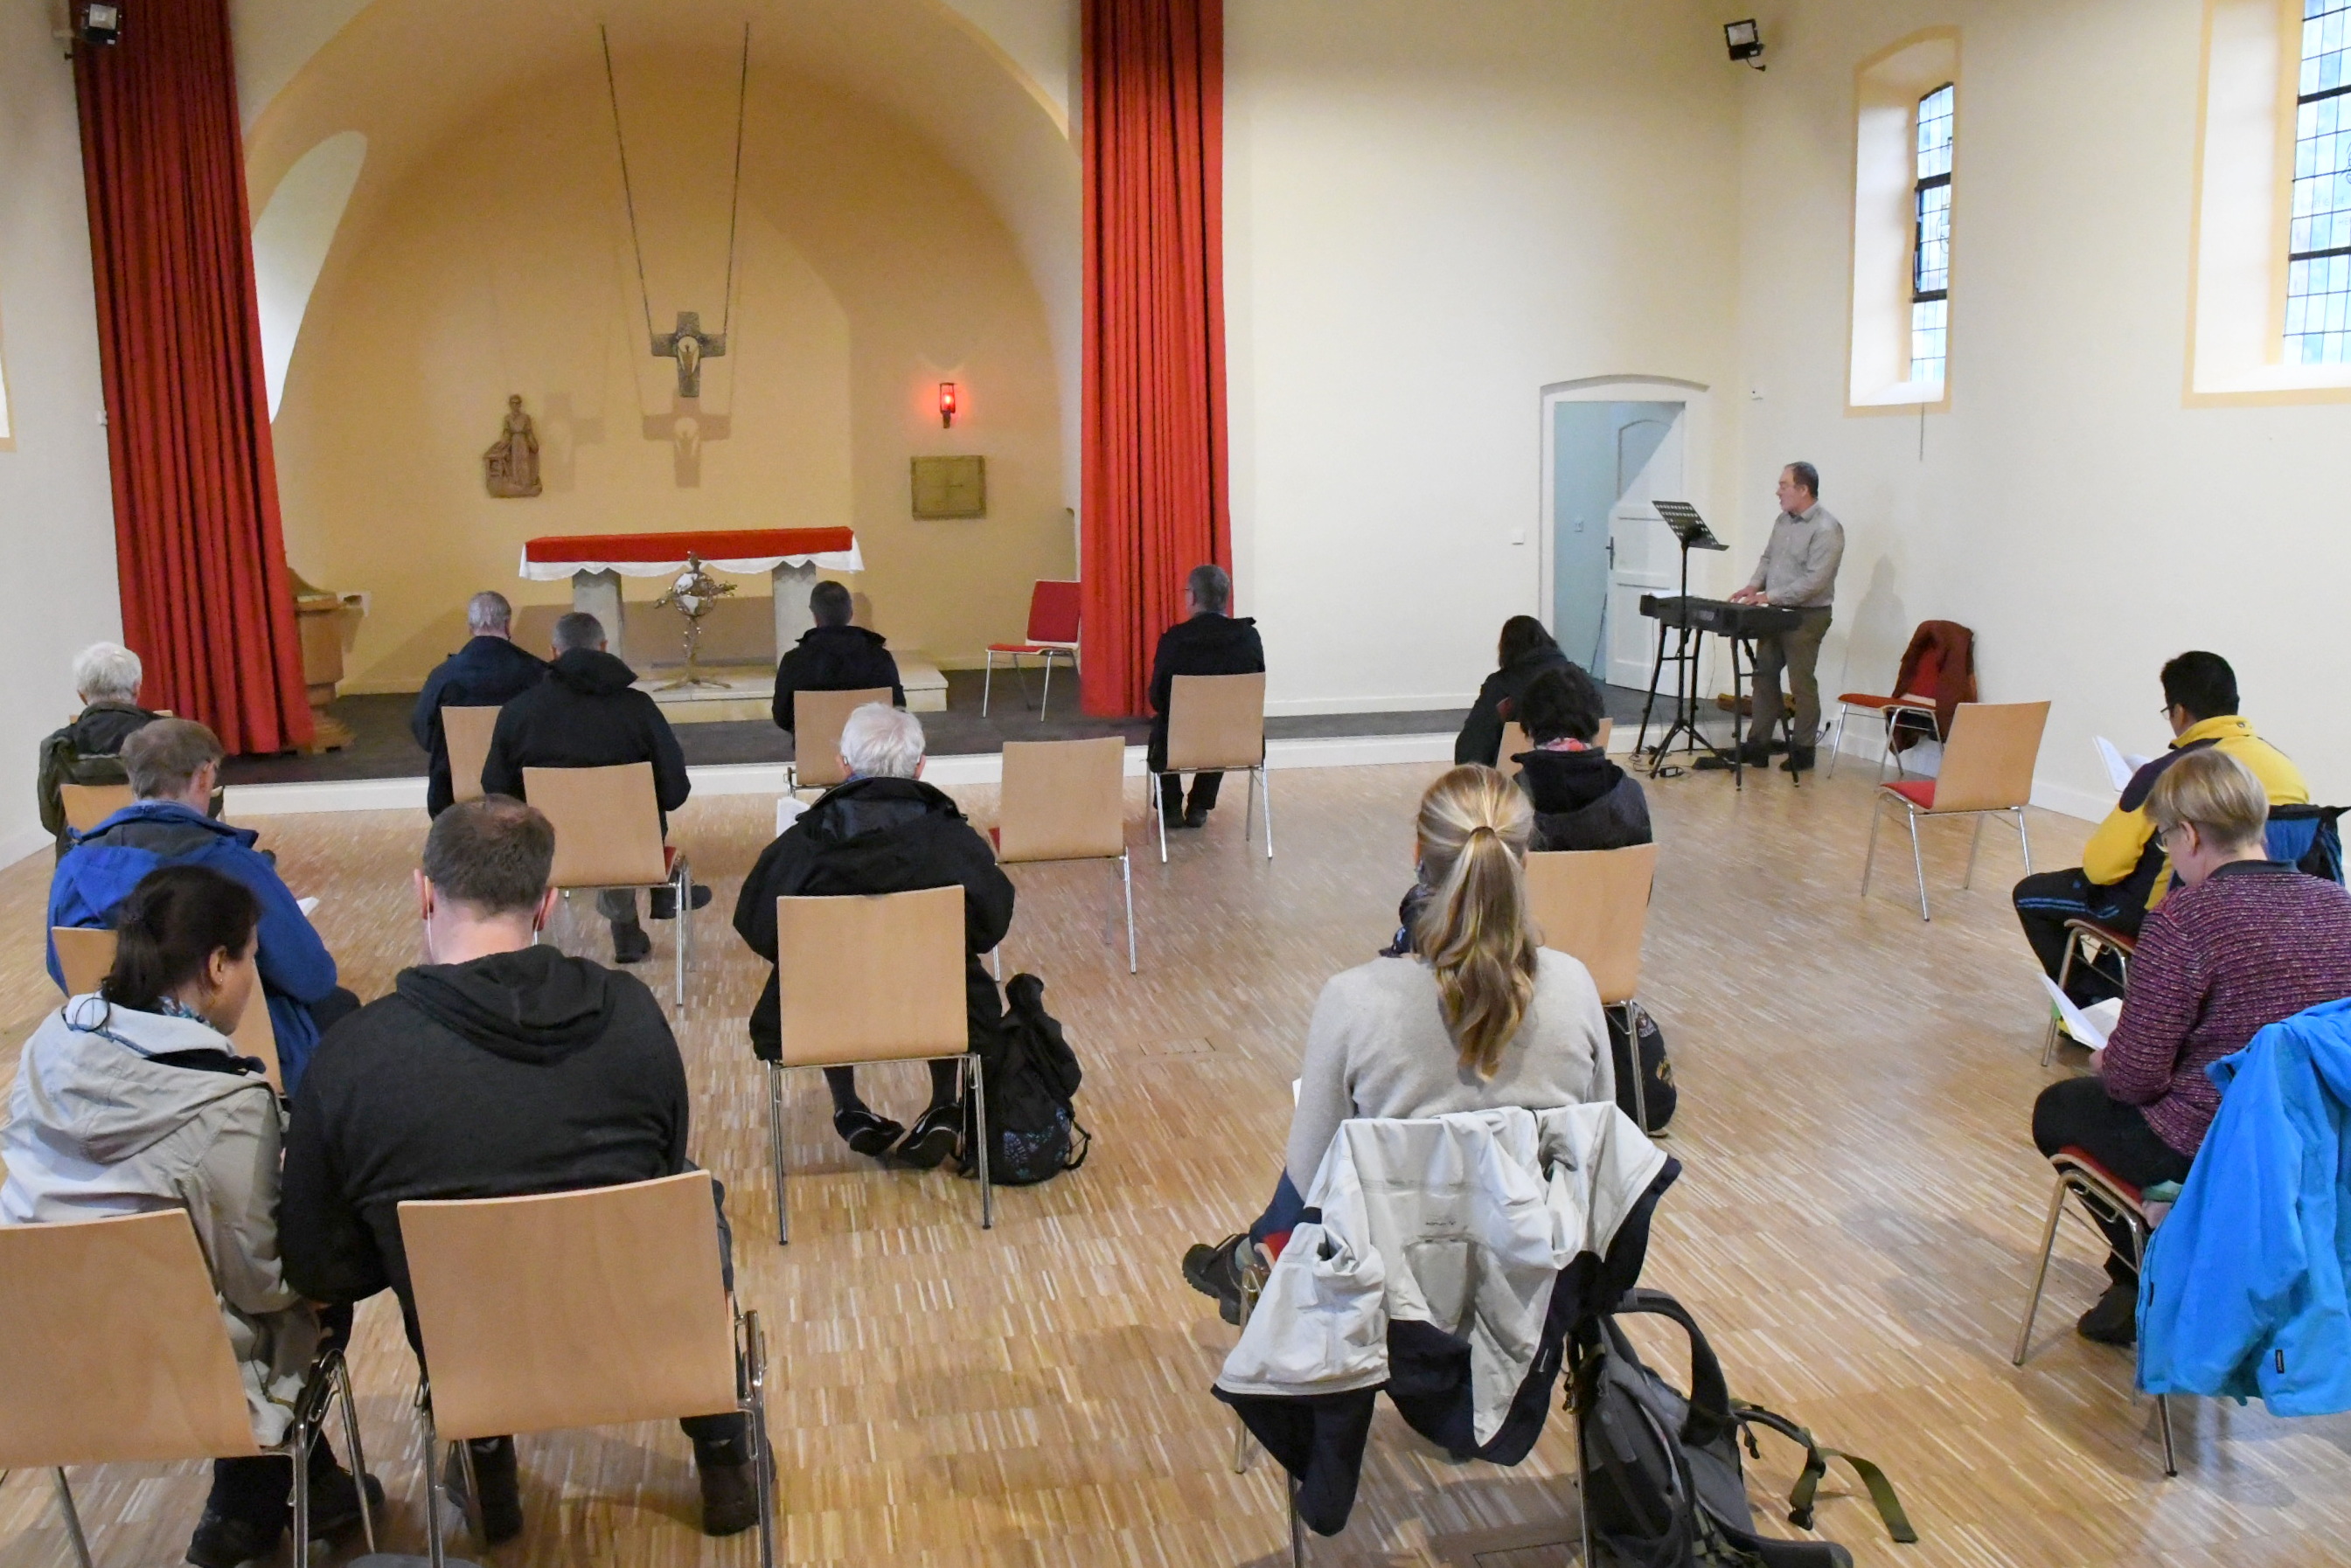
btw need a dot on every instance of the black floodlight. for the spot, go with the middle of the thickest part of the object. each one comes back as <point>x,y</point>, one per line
<point>1745,41</point>
<point>98,21</point>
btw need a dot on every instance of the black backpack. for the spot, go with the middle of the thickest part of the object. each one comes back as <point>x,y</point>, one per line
<point>1661,1483</point>
<point>1659,1096</point>
<point>1031,1077</point>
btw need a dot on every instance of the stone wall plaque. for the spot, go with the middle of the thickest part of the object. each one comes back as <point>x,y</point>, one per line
<point>950,487</point>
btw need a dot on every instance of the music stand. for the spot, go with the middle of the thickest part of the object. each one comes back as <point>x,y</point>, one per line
<point>1692,534</point>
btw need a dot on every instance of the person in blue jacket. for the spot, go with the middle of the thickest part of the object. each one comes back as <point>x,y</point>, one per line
<point>173,765</point>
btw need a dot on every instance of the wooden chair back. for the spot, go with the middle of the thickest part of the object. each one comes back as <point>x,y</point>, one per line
<point>1514,741</point>
<point>818,718</point>
<point>608,824</point>
<point>1594,905</point>
<point>86,806</point>
<point>1063,800</point>
<point>589,1308</point>
<point>112,1348</point>
<point>86,952</point>
<point>1988,759</point>
<point>1216,721</point>
<point>467,733</point>
<point>872,977</point>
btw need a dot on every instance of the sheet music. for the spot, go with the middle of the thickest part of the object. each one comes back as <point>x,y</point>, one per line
<point>308,906</point>
<point>2120,766</point>
<point>2090,1026</point>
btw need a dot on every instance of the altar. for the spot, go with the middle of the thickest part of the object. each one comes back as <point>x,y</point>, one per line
<point>597,562</point>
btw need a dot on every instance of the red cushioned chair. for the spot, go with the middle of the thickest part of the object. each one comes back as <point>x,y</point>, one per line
<point>1053,631</point>
<point>1987,770</point>
<point>1937,674</point>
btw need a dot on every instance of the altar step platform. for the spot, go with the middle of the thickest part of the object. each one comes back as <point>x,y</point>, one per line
<point>745,693</point>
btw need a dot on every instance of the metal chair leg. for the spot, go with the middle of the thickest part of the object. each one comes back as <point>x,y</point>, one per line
<point>776,1147</point>
<point>2163,1424</point>
<point>1918,863</point>
<point>683,884</point>
<point>753,1376</point>
<point>2040,1275</point>
<point>980,1123</point>
<point>2064,974</point>
<point>1159,811</point>
<point>1877,815</point>
<point>2024,841</point>
<point>1047,703</point>
<point>434,1545</point>
<point>351,1445</point>
<point>1265,783</point>
<point>1249,809</point>
<point>1126,876</point>
<point>987,685</point>
<point>303,1434</point>
<point>1632,1010</point>
<point>1837,729</point>
<point>1297,1526</point>
<point>73,1518</point>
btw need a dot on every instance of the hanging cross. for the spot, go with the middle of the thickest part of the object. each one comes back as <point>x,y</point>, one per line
<point>689,346</point>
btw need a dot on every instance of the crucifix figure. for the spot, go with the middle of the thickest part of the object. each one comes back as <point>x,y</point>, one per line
<point>689,346</point>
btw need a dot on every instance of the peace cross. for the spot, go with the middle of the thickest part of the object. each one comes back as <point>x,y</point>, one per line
<point>689,346</point>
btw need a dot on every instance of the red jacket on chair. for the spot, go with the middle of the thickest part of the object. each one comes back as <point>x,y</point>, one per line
<point>1940,662</point>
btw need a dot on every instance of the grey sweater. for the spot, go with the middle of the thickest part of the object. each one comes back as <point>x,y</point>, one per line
<point>1799,562</point>
<point>1377,1048</point>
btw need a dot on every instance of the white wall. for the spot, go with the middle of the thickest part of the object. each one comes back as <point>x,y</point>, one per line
<point>56,509</point>
<point>1431,212</point>
<point>2068,507</point>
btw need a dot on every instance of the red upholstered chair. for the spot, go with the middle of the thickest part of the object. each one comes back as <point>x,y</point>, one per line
<point>1053,631</point>
<point>1921,689</point>
<point>2103,1193</point>
<point>1987,770</point>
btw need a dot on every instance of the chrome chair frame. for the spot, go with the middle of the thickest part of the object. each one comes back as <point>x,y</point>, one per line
<point>2081,935</point>
<point>1888,713</point>
<point>973,1084</point>
<point>1258,782</point>
<point>1913,813</point>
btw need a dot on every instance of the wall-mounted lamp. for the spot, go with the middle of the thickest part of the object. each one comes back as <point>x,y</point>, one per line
<point>1745,41</point>
<point>947,404</point>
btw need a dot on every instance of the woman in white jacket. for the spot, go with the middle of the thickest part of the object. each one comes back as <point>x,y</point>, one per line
<point>1476,1015</point>
<point>131,1099</point>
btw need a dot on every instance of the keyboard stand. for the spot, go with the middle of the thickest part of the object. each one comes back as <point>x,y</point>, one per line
<point>1691,533</point>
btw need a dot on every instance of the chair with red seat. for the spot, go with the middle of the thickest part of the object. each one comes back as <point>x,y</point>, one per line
<point>1938,673</point>
<point>1987,771</point>
<point>2084,939</point>
<point>2103,1193</point>
<point>1053,631</point>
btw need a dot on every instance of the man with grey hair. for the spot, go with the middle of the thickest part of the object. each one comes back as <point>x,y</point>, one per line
<point>487,672</point>
<point>173,765</point>
<point>1209,642</point>
<point>106,677</point>
<point>883,831</point>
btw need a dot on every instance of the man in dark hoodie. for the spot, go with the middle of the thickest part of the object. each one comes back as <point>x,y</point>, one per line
<point>1581,800</point>
<point>495,1069</point>
<point>1207,642</point>
<point>884,831</point>
<point>588,714</point>
<point>834,656</point>
<point>484,673</point>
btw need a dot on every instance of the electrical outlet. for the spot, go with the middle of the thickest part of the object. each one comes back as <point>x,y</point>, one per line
<point>1518,536</point>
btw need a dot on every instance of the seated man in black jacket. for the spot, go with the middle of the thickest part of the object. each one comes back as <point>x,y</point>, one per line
<point>1581,800</point>
<point>484,673</point>
<point>1207,642</point>
<point>588,714</point>
<point>495,1068</point>
<point>834,656</point>
<point>106,677</point>
<point>882,832</point>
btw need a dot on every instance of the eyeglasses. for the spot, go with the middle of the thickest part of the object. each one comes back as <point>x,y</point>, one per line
<point>2167,838</point>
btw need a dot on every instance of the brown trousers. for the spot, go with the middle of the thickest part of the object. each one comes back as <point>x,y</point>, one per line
<point>1799,652</point>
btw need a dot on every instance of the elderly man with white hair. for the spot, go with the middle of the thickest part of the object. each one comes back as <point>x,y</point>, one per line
<point>490,668</point>
<point>884,831</point>
<point>106,677</point>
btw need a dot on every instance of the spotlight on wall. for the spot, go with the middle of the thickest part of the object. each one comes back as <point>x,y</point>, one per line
<point>947,404</point>
<point>97,22</point>
<point>1745,41</point>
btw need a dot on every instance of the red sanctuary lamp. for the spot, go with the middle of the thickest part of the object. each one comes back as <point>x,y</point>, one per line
<point>947,404</point>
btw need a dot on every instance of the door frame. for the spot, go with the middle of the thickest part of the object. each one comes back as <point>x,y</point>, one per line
<point>1698,441</point>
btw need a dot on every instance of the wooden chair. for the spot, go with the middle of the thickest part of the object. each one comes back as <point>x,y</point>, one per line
<point>1593,906</point>
<point>112,1352</point>
<point>1987,771</point>
<point>1216,723</point>
<point>589,1308</point>
<point>85,953</point>
<point>1514,741</point>
<point>818,718</point>
<point>870,978</point>
<point>608,834</point>
<point>1066,800</point>
<point>86,806</point>
<point>467,732</point>
<point>1052,633</point>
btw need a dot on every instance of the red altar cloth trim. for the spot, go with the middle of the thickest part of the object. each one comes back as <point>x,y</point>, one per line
<point>712,544</point>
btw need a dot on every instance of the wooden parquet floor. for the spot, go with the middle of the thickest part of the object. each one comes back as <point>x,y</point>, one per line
<point>1854,1227</point>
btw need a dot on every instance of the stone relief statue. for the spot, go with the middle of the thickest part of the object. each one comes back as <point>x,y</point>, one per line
<point>510,468</point>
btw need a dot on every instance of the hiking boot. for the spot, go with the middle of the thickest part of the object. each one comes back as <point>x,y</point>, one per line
<point>731,1497</point>
<point>2115,1320</point>
<point>501,1499</point>
<point>631,945</point>
<point>1214,1270</point>
<point>866,1132</point>
<point>936,1133</point>
<point>1800,759</point>
<point>663,904</point>
<point>221,1541</point>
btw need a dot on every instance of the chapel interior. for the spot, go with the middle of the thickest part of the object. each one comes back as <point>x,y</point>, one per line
<point>320,318</point>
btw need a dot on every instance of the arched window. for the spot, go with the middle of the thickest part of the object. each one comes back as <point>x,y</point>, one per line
<point>1930,249</point>
<point>2318,245</point>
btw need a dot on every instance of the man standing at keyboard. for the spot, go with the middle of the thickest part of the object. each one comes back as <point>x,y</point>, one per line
<point>1798,571</point>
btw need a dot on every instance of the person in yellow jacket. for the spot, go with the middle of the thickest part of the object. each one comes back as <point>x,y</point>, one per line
<point>2123,871</point>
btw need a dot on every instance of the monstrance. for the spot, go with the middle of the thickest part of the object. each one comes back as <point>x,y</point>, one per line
<point>693,594</point>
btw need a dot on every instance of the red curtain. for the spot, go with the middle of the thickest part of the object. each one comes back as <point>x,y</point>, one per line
<point>1155,503</point>
<point>199,552</point>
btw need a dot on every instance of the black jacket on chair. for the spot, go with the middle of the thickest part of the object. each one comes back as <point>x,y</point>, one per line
<point>1480,739</point>
<point>1204,645</point>
<point>835,659</point>
<point>487,673</point>
<point>585,714</point>
<point>879,836</point>
<point>1583,801</point>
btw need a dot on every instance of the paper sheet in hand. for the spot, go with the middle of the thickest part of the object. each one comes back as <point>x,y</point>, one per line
<point>308,906</point>
<point>2119,767</point>
<point>2089,1025</point>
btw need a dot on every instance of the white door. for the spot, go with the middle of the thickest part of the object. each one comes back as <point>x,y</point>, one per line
<point>1645,559</point>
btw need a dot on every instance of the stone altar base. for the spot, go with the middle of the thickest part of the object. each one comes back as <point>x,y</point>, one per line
<point>750,692</point>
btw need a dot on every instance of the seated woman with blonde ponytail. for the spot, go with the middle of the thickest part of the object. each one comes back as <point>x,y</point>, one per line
<point>1476,1014</point>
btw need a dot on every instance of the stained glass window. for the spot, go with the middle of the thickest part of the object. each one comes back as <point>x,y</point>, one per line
<point>1930,256</point>
<point>2318,245</point>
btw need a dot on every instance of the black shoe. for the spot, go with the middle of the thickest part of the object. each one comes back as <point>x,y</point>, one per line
<point>1196,815</point>
<point>501,1500</point>
<point>1214,1270</point>
<point>866,1132</point>
<point>2115,1320</point>
<point>221,1541</point>
<point>663,905</point>
<point>731,1497</point>
<point>936,1133</point>
<point>1177,821</point>
<point>335,1498</point>
<point>631,945</point>
<point>1800,759</point>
